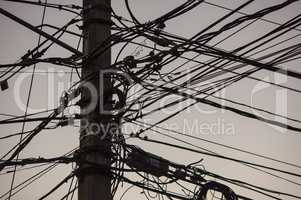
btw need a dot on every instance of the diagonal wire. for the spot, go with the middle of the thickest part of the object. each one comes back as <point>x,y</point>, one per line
<point>27,104</point>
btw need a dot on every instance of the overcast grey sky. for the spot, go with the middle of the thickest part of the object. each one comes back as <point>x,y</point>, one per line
<point>200,120</point>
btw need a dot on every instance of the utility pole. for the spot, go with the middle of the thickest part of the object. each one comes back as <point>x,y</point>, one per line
<point>95,183</point>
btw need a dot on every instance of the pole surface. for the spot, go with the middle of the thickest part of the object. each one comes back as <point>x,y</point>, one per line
<point>95,183</point>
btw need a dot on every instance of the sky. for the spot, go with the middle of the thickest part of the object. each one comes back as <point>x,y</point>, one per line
<point>198,121</point>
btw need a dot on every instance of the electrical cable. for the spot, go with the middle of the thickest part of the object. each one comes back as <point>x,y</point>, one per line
<point>223,145</point>
<point>245,14</point>
<point>220,156</point>
<point>35,177</point>
<point>48,5</point>
<point>26,110</point>
<point>57,186</point>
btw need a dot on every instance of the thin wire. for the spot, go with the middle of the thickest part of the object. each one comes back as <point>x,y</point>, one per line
<point>27,104</point>
<point>69,190</point>
<point>223,145</point>
<point>37,176</point>
<point>214,153</point>
<point>14,134</point>
<point>14,117</point>
<point>25,168</point>
<point>246,14</point>
<point>217,155</point>
<point>58,185</point>
<point>50,5</point>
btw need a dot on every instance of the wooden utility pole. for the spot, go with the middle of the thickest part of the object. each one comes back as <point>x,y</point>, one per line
<point>94,181</point>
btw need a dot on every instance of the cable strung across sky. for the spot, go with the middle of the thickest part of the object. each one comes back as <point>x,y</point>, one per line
<point>165,75</point>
